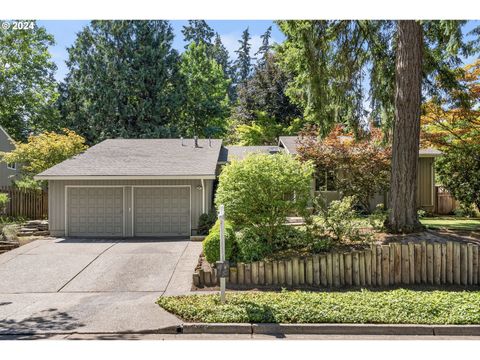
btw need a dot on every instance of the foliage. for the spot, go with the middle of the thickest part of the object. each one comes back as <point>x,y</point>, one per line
<point>27,183</point>
<point>360,167</point>
<point>9,232</point>
<point>264,50</point>
<point>466,211</point>
<point>421,213</point>
<point>206,101</point>
<point>378,217</point>
<point>28,90</point>
<point>243,63</point>
<point>43,151</point>
<point>399,306</point>
<point>4,199</point>
<point>338,218</point>
<point>458,170</point>
<point>123,81</point>
<point>205,222</point>
<point>329,59</point>
<point>262,190</point>
<point>251,246</point>
<point>455,130</point>
<point>211,244</point>
<point>265,92</point>
<point>197,31</point>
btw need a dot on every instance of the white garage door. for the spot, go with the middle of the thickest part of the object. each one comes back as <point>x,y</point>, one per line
<point>95,211</point>
<point>162,211</point>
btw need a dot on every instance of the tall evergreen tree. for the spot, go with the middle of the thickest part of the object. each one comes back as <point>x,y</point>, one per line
<point>243,63</point>
<point>28,90</point>
<point>330,58</point>
<point>205,89</point>
<point>265,92</point>
<point>265,48</point>
<point>221,56</point>
<point>123,81</point>
<point>197,31</point>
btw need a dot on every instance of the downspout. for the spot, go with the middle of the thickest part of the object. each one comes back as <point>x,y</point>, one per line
<point>203,196</point>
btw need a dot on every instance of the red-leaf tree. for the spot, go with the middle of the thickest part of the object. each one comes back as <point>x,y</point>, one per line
<point>359,168</point>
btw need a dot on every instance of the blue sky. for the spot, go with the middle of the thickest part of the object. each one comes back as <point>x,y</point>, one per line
<point>230,31</point>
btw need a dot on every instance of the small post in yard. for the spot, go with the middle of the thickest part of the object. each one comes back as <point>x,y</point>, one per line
<point>222,267</point>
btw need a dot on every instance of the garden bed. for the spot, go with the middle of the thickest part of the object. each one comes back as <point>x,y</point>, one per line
<point>400,306</point>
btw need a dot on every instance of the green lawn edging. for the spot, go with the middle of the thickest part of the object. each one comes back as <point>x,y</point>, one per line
<point>400,306</point>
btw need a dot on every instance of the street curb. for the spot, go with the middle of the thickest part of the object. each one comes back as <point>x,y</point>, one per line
<point>216,328</point>
<point>330,329</point>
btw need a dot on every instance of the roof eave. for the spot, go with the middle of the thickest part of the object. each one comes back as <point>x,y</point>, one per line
<point>124,177</point>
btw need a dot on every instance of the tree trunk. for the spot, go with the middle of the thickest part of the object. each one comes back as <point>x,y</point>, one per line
<point>406,128</point>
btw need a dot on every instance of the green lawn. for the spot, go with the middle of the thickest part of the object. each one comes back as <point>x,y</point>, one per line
<point>399,306</point>
<point>451,223</point>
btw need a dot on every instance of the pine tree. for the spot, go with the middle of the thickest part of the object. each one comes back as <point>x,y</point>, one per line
<point>330,59</point>
<point>123,81</point>
<point>265,48</point>
<point>197,31</point>
<point>243,64</point>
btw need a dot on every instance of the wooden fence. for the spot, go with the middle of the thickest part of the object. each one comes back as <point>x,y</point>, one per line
<point>381,265</point>
<point>31,204</point>
<point>445,202</point>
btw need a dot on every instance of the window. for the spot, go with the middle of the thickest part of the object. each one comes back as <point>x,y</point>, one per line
<point>325,181</point>
<point>12,166</point>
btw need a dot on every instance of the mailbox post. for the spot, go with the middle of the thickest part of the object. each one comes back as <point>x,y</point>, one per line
<point>222,266</point>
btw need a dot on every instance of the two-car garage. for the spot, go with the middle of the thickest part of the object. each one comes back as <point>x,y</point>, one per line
<point>133,188</point>
<point>149,211</point>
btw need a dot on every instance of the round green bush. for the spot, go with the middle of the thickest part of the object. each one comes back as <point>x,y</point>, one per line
<point>251,246</point>
<point>211,244</point>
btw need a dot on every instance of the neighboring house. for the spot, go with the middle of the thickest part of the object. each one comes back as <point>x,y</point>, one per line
<point>425,178</point>
<point>149,187</point>
<point>8,172</point>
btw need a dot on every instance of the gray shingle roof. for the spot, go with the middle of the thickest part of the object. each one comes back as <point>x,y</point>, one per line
<point>240,152</point>
<point>290,144</point>
<point>142,157</point>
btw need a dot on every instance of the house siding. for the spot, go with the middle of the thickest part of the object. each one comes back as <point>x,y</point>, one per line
<point>425,188</point>
<point>56,199</point>
<point>6,174</point>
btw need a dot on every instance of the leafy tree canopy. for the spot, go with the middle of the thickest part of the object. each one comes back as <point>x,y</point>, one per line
<point>28,90</point>
<point>331,59</point>
<point>357,167</point>
<point>243,64</point>
<point>205,89</point>
<point>43,151</point>
<point>123,81</point>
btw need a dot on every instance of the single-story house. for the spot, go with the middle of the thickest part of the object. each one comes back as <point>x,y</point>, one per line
<point>144,187</point>
<point>8,172</point>
<point>425,177</point>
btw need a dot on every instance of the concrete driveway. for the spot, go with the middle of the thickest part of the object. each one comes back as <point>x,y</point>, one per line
<point>92,286</point>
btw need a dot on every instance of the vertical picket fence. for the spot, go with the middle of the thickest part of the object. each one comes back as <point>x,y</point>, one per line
<point>381,265</point>
<point>31,204</point>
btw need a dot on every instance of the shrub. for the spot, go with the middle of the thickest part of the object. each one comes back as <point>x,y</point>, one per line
<point>205,222</point>
<point>377,218</point>
<point>251,246</point>
<point>3,202</point>
<point>9,233</point>
<point>262,190</point>
<point>465,211</point>
<point>421,213</point>
<point>338,219</point>
<point>211,244</point>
